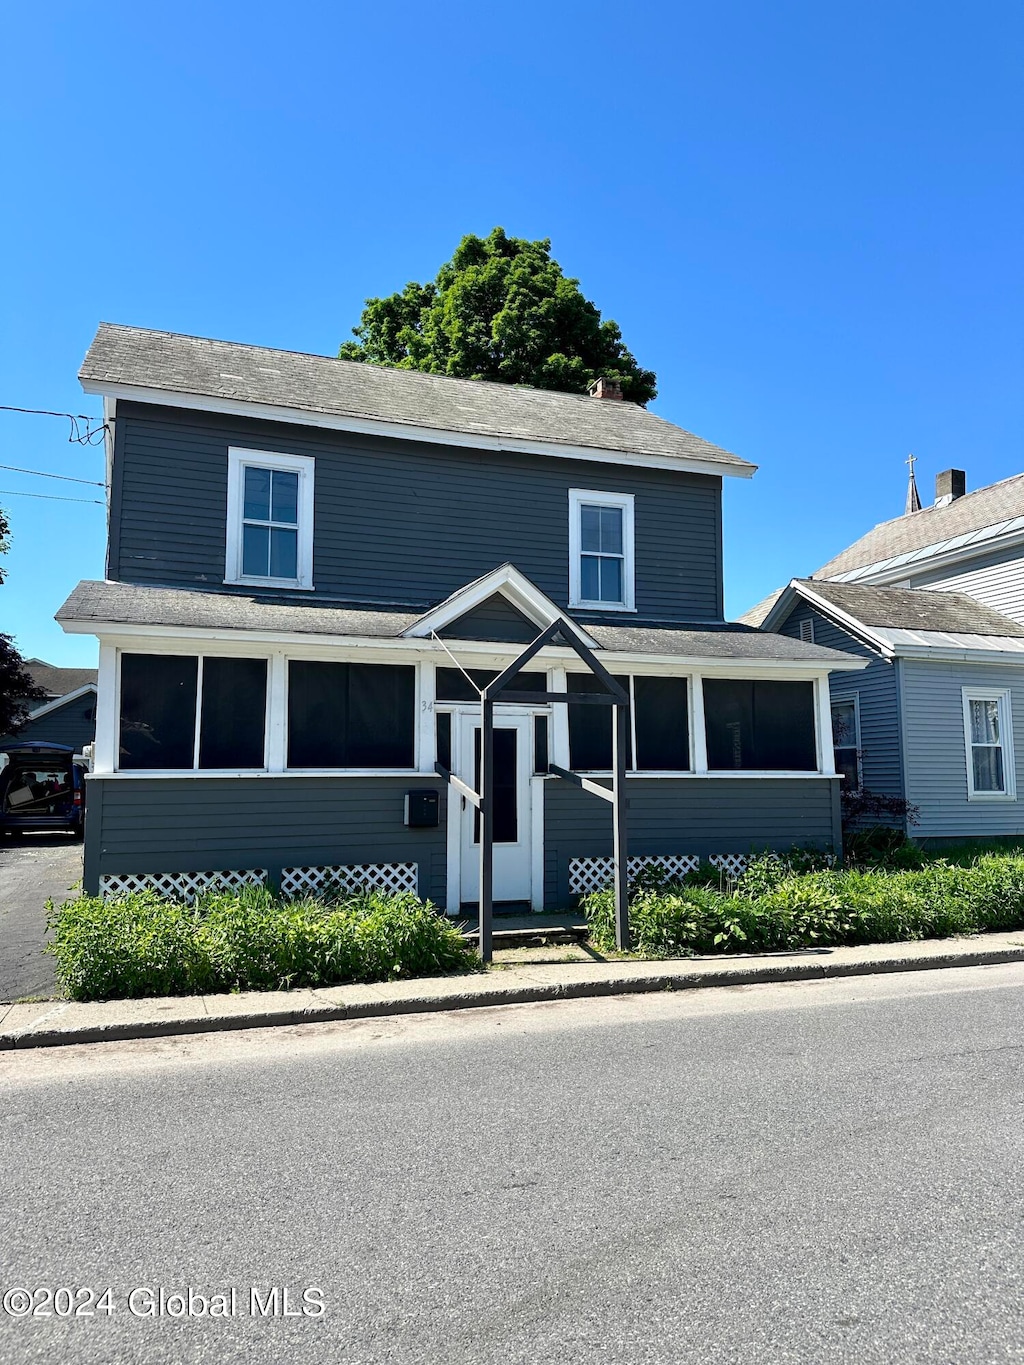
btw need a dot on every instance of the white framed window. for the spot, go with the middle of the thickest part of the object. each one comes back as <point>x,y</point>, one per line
<point>601,573</point>
<point>270,519</point>
<point>846,739</point>
<point>988,738</point>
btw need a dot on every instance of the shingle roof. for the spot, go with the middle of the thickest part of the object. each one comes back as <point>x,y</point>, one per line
<point>134,604</point>
<point>914,609</point>
<point>757,614</point>
<point>58,682</point>
<point>317,384</point>
<point>985,507</point>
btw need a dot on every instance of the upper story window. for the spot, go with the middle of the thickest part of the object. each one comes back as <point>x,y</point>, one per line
<point>601,550</point>
<point>988,734</point>
<point>270,519</point>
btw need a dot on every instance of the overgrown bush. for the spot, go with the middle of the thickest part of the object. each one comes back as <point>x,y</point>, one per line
<point>771,909</point>
<point>141,944</point>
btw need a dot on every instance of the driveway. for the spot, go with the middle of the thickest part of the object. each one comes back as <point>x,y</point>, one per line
<point>33,868</point>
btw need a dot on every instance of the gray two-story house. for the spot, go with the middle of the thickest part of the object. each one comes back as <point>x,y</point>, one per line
<point>315,564</point>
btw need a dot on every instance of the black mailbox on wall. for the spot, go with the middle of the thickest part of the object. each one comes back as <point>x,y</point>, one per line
<point>422,808</point>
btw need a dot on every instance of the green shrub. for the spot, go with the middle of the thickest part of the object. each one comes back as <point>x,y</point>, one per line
<point>140,944</point>
<point>772,909</point>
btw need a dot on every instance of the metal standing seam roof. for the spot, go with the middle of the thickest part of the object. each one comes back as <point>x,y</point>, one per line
<point>315,384</point>
<point>995,510</point>
<point>113,604</point>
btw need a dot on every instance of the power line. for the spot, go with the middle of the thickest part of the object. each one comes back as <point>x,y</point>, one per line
<point>42,474</point>
<point>91,436</point>
<point>50,497</point>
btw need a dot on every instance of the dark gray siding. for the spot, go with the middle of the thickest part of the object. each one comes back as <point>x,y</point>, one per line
<point>403,521</point>
<point>73,723</point>
<point>875,686</point>
<point>688,815</point>
<point>222,824</point>
<point>495,619</point>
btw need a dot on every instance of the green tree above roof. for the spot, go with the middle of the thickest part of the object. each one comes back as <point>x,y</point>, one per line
<point>500,309</point>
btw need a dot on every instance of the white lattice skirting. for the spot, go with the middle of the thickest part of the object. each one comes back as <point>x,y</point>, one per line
<point>182,885</point>
<point>298,881</point>
<point>591,874</point>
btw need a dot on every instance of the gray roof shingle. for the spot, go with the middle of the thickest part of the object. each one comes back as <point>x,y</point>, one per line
<point>58,682</point>
<point>134,604</point>
<point>990,506</point>
<point>914,609</point>
<point>318,384</point>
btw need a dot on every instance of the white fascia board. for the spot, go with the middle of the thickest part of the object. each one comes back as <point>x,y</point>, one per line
<point>407,432</point>
<point>58,702</point>
<point>512,584</point>
<point>179,639</point>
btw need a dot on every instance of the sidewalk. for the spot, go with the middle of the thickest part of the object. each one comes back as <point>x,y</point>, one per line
<point>54,1023</point>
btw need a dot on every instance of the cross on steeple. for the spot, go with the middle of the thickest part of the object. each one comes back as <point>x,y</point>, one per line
<point>913,500</point>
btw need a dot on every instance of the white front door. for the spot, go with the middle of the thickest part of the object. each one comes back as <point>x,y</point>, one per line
<point>513,764</point>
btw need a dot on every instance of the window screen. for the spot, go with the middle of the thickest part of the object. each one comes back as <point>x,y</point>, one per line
<point>764,726</point>
<point>232,725</point>
<point>590,727</point>
<point>158,711</point>
<point>661,724</point>
<point>351,715</point>
<point>453,685</point>
<point>444,738</point>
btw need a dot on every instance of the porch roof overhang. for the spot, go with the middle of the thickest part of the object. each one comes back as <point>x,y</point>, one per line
<point>131,610</point>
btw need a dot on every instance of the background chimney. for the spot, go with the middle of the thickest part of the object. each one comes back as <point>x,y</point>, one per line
<point>605,387</point>
<point>949,485</point>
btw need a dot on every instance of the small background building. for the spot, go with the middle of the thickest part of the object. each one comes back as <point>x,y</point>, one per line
<point>68,715</point>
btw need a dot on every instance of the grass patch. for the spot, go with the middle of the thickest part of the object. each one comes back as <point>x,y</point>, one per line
<point>141,944</point>
<point>771,909</point>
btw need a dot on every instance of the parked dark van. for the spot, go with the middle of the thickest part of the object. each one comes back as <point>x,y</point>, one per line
<point>41,787</point>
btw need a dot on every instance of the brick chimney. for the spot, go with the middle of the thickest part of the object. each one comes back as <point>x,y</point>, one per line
<point>604,387</point>
<point>949,485</point>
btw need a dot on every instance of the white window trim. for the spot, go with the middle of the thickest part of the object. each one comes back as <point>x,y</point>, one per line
<point>303,465</point>
<point>578,497</point>
<point>1002,697</point>
<point>853,697</point>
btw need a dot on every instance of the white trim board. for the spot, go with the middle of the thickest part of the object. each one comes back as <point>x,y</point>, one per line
<point>58,702</point>
<point>510,583</point>
<point>407,432</point>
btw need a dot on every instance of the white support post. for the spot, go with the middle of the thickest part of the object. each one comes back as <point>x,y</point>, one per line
<point>104,751</point>
<point>823,728</point>
<point>559,734</point>
<point>698,732</point>
<point>426,739</point>
<point>277,713</point>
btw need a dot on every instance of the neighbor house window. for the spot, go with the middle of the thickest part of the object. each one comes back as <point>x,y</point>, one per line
<point>988,733</point>
<point>846,740</point>
<point>270,519</point>
<point>351,715</point>
<point>180,711</point>
<point>760,725</point>
<point>601,550</point>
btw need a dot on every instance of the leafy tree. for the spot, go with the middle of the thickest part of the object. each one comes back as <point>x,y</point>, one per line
<point>18,692</point>
<point>500,309</point>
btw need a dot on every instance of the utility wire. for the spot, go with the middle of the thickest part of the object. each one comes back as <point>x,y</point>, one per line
<point>50,497</point>
<point>42,474</point>
<point>91,436</point>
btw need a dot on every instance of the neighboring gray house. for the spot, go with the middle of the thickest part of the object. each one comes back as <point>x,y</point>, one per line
<point>68,715</point>
<point>934,600</point>
<point>312,565</point>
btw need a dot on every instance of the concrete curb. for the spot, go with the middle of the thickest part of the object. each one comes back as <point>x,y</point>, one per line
<point>23,1026</point>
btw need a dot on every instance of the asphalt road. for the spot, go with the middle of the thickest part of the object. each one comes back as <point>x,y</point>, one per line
<point>822,1172</point>
<point>33,868</point>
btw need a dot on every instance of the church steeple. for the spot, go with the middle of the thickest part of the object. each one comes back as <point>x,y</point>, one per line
<point>913,500</point>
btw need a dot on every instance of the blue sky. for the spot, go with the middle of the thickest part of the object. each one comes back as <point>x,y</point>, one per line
<point>805,217</point>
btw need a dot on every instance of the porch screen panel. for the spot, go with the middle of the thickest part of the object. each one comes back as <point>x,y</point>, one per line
<point>453,685</point>
<point>760,725</point>
<point>351,715</point>
<point>158,711</point>
<point>233,718</point>
<point>590,727</point>
<point>662,724</point>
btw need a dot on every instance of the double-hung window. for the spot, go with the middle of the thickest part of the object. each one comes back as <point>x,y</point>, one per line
<point>270,519</point>
<point>846,740</point>
<point>601,550</point>
<point>988,735</point>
